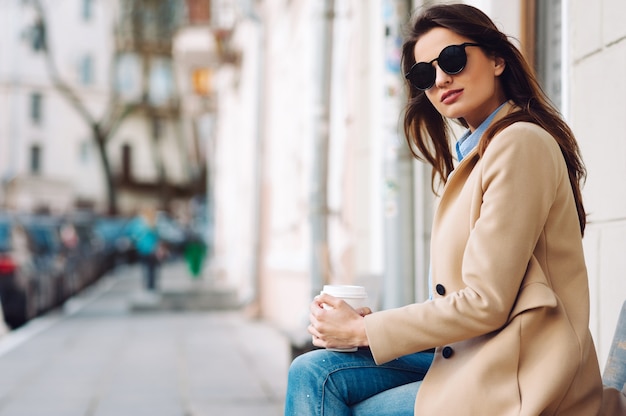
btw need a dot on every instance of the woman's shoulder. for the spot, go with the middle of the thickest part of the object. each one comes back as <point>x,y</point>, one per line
<point>523,144</point>
<point>525,133</point>
<point>524,129</point>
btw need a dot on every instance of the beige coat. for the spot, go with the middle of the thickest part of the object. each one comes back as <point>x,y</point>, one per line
<point>510,308</point>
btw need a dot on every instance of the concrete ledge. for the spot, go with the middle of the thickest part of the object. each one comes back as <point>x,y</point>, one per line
<point>202,299</point>
<point>299,342</point>
<point>178,291</point>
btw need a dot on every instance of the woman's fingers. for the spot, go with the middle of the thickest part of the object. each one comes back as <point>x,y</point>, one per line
<point>316,336</point>
<point>329,300</point>
<point>335,324</point>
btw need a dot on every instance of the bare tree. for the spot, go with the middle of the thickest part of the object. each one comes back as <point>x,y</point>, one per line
<point>103,128</point>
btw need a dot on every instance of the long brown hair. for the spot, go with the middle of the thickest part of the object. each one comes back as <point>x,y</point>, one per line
<point>428,133</point>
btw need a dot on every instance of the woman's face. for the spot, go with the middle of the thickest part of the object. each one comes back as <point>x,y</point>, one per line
<point>472,94</point>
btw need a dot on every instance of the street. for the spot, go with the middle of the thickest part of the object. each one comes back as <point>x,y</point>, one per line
<point>98,356</point>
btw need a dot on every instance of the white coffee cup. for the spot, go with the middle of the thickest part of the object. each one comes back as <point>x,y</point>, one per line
<point>355,296</point>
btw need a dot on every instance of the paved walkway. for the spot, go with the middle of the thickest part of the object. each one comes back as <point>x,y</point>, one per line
<point>99,356</point>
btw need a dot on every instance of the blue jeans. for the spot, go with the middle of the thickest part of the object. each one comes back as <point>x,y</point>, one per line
<point>150,265</point>
<point>329,383</point>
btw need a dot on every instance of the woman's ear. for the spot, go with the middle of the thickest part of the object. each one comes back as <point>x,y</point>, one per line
<point>500,64</point>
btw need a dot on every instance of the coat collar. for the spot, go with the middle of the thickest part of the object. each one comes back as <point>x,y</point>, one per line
<point>472,157</point>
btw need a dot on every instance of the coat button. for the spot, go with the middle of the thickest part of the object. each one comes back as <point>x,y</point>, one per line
<point>441,289</point>
<point>447,352</point>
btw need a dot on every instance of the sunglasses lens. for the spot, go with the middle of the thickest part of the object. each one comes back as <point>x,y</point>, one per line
<point>422,76</point>
<point>452,59</point>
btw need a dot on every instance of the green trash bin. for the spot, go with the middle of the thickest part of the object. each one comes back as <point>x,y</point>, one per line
<point>194,253</point>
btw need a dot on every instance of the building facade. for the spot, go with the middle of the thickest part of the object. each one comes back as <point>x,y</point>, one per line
<point>596,49</point>
<point>78,78</point>
<point>44,143</point>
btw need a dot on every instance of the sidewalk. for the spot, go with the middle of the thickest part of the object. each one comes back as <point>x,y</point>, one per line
<point>99,356</point>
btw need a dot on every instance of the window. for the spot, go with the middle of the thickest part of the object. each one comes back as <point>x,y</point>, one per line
<point>36,110</point>
<point>85,70</point>
<point>87,10</point>
<point>201,80</point>
<point>548,49</point>
<point>35,159</point>
<point>128,75</point>
<point>38,36</point>
<point>161,81</point>
<point>127,163</point>
<point>85,152</point>
<point>199,11</point>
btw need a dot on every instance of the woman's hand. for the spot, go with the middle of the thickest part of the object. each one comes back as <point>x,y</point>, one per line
<point>335,324</point>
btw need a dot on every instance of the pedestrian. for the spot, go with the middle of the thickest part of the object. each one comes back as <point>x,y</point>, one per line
<point>150,249</point>
<point>506,330</point>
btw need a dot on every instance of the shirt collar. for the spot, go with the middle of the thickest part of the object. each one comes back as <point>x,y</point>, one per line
<point>470,139</point>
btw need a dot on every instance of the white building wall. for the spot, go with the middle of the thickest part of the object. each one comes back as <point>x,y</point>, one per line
<point>598,61</point>
<point>364,68</point>
<point>291,122</point>
<point>69,153</point>
<point>291,61</point>
<point>234,163</point>
<point>10,58</point>
<point>62,133</point>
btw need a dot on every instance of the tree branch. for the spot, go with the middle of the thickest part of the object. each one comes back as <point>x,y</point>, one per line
<point>58,82</point>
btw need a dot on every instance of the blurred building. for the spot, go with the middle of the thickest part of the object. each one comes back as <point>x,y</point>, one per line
<point>47,159</point>
<point>109,81</point>
<point>154,159</point>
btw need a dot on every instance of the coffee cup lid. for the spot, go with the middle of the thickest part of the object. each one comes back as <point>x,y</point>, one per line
<point>345,291</point>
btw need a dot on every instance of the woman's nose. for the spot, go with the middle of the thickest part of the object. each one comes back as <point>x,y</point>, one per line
<point>441,77</point>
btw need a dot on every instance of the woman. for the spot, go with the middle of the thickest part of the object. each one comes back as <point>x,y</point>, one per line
<point>509,310</point>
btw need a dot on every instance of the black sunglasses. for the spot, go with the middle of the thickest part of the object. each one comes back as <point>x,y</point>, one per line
<point>452,60</point>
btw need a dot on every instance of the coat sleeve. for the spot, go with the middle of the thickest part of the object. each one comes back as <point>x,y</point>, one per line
<point>613,402</point>
<point>518,179</point>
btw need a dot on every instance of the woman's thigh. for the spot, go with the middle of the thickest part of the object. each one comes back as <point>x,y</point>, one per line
<point>358,377</point>
<point>339,379</point>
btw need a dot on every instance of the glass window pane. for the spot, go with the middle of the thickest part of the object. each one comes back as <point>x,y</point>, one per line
<point>549,44</point>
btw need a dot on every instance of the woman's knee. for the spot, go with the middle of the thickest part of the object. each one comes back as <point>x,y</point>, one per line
<point>307,372</point>
<point>307,363</point>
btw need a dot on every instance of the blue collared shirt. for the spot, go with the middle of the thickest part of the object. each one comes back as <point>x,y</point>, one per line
<point>470,139</point>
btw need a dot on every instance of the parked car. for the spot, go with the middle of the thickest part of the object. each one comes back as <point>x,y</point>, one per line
<point>84,248</point>
<point>4,328</point>
<point>48,259</point>
<point>115,234</point>
<point>44,260</point>
<point>18,274</point>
